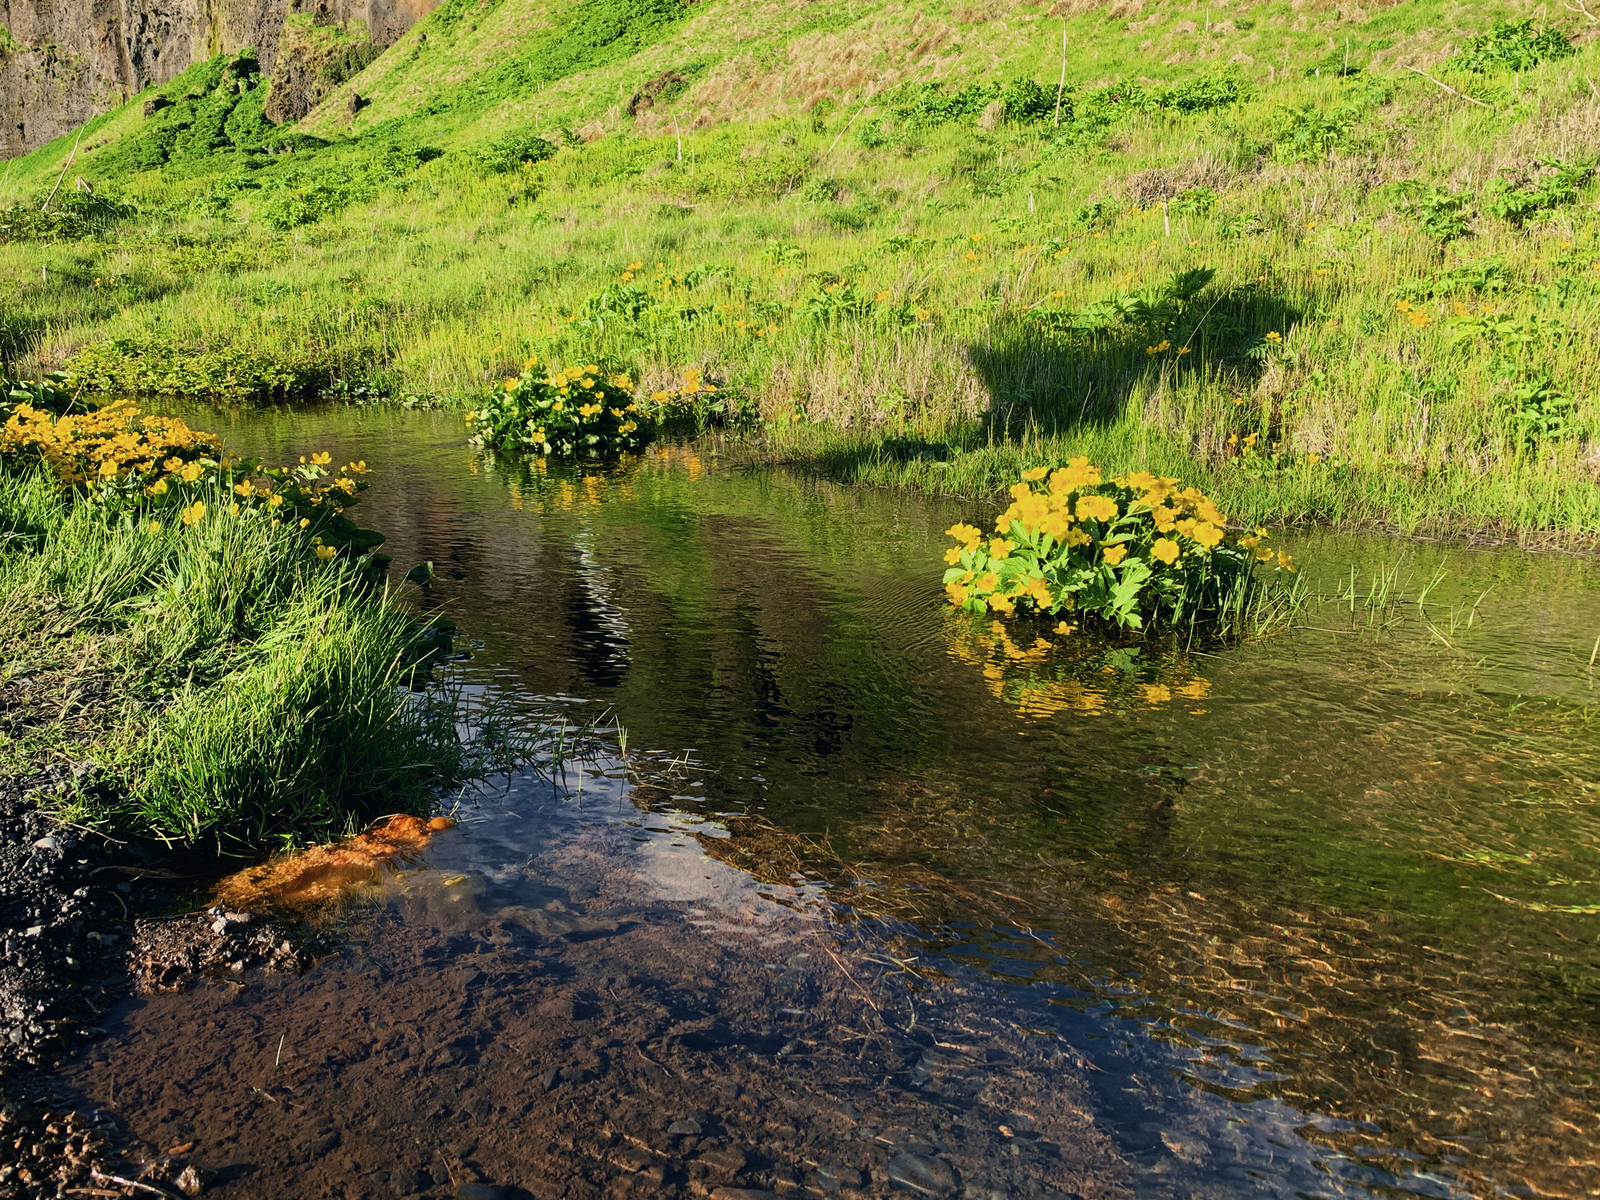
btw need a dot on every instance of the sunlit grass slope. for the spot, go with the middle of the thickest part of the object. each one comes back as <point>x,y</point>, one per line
<point>1339,263</point>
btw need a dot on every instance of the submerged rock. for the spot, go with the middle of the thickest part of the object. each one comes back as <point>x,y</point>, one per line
<point>919,1173</point>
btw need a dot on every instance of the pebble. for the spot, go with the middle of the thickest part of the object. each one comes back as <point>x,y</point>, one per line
<point>832,1178</point>
<point>918,1173</point>
<point>727,1159</point>
<point>691,1128</point>
<point>48,843</point>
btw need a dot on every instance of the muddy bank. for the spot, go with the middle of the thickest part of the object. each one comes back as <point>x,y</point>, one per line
<point>87,921</point>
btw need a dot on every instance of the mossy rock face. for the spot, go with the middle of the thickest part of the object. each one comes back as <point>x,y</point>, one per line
<point>313,59</point>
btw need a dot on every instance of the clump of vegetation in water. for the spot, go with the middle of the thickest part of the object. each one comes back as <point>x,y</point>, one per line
<point>577,410</point>
<point>1132,551</point>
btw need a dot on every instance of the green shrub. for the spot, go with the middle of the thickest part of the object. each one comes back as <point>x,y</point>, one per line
<point>76,216</point>
<point>1028,103</point>
<point>1518,199</point>
<point>327,187</point>
<point>214,105</point>
<point>514,151</point>
<point>1443,215</point>
<point>1193,202</point>
<point>1538,411</point>
<point>580,411</point>
<point>1309,133</point>
<point>1205,93</point>
<point>923,106</point>
<point>1512,46</point>
<point>160,366</point>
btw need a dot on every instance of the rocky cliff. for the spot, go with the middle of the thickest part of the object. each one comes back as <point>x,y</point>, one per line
<point>63,61</point>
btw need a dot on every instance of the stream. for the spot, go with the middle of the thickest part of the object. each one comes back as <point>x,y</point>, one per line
<point>874,898</point>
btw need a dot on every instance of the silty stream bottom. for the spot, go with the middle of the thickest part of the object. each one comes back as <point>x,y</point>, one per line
<point>570,997</point>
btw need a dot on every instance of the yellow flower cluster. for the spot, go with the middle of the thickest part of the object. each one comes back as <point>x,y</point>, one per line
<point>108,443</point>
<point>1071,539</point>
<point>1418,318</point>
<point>692,385</point>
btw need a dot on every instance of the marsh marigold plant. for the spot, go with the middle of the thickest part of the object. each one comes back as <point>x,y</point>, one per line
<point>1131,551</point>
<point>573,411</point>
<point>156,469</point>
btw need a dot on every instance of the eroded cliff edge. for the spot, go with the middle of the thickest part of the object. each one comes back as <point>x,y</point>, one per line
<point>64,61</point>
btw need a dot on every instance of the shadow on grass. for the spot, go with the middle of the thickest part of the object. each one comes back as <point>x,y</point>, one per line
<point>1051,372</point>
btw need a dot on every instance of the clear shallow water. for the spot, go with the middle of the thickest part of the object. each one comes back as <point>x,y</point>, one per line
<point>1299,918</point>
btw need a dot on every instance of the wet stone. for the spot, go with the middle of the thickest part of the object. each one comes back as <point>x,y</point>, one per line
<point>833,1178</point>
<point>724,1160</point>
<point>919,1173</point>
<point>687,1127</point>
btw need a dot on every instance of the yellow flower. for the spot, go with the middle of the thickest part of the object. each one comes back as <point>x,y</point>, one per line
<point>172,464</point>
<point>191,472</point>
<point>1036,474</point>
<point>195,512</point>
<point>956,592</point>
<point>244,488</point>
<point>1079,473</point>
<point>965,533</point>
<point>274,500</point>
<point>322,459</point>
<point>1000,547</point>
<point>1064,629</point>
<point>1114,554</point>
<point>326,552</point>
<point>953,555</point>
<point>1207,534</point>
<point>233,509</point>
<point>1096,508</point>
<point>1164,550</point>
<point>1001,604</point>
<point>1285,561</point>
<point>153,527</point>
<point>305,522</point>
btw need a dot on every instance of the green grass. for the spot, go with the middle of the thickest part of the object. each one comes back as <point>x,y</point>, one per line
<point>232,688</point>
<point>931,297</point>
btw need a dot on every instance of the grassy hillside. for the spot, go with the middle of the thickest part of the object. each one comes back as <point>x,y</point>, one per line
<point>1334,262</point>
